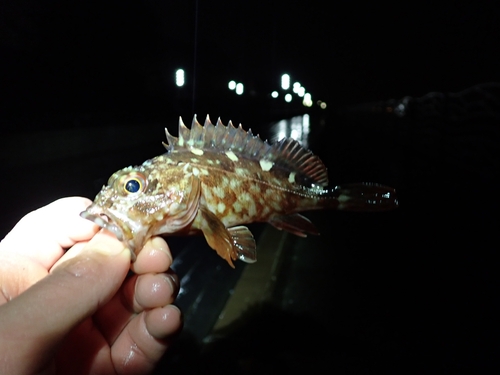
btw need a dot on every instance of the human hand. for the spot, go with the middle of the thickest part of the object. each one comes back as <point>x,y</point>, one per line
<point>67,304</point>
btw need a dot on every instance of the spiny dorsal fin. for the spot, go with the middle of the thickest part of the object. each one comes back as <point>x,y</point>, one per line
<point>287,153</point>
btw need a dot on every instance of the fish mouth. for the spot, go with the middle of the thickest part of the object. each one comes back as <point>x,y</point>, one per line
<point>104,221</point>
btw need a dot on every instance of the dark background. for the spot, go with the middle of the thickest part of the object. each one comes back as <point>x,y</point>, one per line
<point>87,88</point>
<point>117,58</point>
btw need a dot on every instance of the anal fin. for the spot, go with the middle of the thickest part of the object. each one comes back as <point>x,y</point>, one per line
<point>244,243</point>
<point>295,223</point>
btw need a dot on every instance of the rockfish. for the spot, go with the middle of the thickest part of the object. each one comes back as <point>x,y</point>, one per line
<point>213,179</point>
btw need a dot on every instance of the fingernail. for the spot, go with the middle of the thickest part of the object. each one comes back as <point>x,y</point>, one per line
<point>159,244</point>
<point>173,280</point>
<point>105,249</point>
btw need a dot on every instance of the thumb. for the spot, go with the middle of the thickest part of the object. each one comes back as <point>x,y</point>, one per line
<point>33,323</point>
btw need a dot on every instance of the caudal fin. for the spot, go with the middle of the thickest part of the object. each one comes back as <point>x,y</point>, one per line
<point>365,196</point>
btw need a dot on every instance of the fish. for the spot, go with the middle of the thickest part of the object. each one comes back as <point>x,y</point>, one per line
<point>213,180</point>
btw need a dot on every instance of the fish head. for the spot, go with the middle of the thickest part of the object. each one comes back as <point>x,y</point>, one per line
<point>136,204</point>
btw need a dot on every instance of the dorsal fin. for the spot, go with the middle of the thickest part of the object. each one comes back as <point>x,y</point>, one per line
<point>287,153</point>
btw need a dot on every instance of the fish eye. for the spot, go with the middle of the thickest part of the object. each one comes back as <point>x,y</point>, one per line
<point>131,183</point>
<point>132,186</point>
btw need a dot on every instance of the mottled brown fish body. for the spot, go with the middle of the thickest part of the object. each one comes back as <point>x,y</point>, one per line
<point>213,179</point>
<point>238,197</point>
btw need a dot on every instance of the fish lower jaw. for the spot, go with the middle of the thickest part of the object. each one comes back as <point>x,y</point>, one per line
<point>104,222</point>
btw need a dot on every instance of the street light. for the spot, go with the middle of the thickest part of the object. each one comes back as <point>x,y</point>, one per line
<point>285,81</point>
<point>239,88</point>
<point>180,77</point>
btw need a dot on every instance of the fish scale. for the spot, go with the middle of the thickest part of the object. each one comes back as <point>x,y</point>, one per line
<point>215,178</point>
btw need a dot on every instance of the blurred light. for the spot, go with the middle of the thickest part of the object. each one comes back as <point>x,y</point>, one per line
<point>296,127</point>
<point>301,91</point>
<point>306,123</point>
<point>231,85</point>
<point>281,129</point>
<point>285,81</point>
<point>323,105</point>
<point>274,94</point>
<point>239,88</point>
<point>179,77</point>
<point>288,98</point>
<point>307,101</point>
<point>296,87</point>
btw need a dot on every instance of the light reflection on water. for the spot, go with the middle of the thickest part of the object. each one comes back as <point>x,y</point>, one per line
<point>296,127</point>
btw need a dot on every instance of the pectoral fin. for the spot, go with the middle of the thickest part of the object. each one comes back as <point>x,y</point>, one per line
<point>295,223</point>
<point>230,243</point>
<point>216,234</point>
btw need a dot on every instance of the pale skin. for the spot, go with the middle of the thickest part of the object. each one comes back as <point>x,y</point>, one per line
<point>67,305</point>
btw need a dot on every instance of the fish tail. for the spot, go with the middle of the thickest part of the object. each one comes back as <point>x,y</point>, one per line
<point>365,196</point>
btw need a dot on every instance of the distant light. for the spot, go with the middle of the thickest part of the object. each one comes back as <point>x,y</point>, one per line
<point>281,127</point>
<point>306,122</point>
<point>232,85</point>
<point>323,105</point>
<point>296,87</point>
<point>288,98</point>
<point>307,101</point>
<point>274,94</point>
<point>285,81</point>
<point>180,78</point>
<point>239,88</point>
<point>301,91</point>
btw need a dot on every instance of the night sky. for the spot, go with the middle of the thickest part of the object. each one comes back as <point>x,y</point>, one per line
<point>119,57</point>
